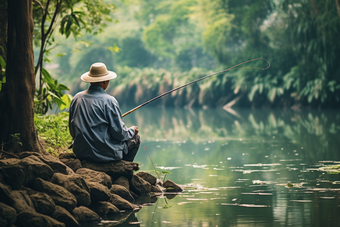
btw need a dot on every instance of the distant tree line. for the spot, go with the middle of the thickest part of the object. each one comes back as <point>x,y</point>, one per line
<point>179,37</point>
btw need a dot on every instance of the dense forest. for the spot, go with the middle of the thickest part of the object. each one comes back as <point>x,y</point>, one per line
<point>155,46</point>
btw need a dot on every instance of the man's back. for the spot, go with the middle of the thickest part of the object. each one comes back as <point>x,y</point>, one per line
<point>97,128</point>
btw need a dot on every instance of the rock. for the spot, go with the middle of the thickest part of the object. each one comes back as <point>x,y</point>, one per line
<point>155,188</point>
<point>147,177</point>
<point>123,181</point>
<point>29,219</point>
<point>104,208</point>
<point>74,164</point>
<point>43,203</point>
<point>67,155</point>
<point>70,160</point>
<point>170,186</point>
<point>69,171</point>
<point>8,215</point>
<point>22,202</point>
<point>53,162</point>
<point>35,168</point>
<point>95,176</point>
<point>122,192</point>
<point>135,196</point>
<point>60,195</point>
<point>139,186</point>
<point>62,215</point>
<point>76,185</point>
<point>5,192</point>
<point>98,192</point>
<point>120,203</point>
<point>160,183</point>
<point>13,172</point>
<point>114,169</point>
<point>83,214</point>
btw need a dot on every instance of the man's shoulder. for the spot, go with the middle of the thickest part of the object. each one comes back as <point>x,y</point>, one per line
<point>111,99</point>
<point>97,97</point>
<point>79,94</point>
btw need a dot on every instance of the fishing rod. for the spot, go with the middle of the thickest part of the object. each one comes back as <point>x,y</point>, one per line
<point>175,89</point>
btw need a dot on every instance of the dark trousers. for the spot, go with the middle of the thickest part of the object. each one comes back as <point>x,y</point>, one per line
<point>133,146</point>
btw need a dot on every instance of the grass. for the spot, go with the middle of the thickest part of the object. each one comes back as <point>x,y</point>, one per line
<point>54,131</point>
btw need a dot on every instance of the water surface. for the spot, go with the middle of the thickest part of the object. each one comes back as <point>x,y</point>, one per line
<point>240,168</point>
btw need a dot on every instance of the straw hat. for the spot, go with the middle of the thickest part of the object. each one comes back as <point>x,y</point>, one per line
<point>98,73</point>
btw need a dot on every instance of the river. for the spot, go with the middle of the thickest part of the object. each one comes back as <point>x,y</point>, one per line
<point>240,167</point>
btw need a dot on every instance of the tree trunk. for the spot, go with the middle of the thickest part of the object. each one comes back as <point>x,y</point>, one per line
<point>16,111</point>
<point>3,27</point>
<point>3,31</point>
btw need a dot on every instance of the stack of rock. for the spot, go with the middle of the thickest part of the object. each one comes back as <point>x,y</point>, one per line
<point>40,190</point>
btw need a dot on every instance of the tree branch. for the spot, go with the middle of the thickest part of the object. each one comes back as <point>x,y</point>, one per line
<point>56,12</point>
<point>42,29</point>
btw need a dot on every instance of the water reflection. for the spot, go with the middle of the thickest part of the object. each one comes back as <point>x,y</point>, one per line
<point>242,168</point>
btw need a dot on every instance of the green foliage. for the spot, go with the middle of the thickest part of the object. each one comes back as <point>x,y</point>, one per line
<point>72,16</point>
<point>69,17</point>
<point>54,130</point>
<point>298,37</point>
<point>51,93</point>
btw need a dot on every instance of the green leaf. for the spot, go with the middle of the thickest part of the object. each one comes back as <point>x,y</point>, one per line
<point>2,62</point>
<point>62,25</point>
<point>53,95</point>
<point>68,26</point>
<point>66,99</point>
<point>115,48</point>
<point>63,87</point>
<point>47,77</point>
<point>76,19</point>
<point>166,172</point>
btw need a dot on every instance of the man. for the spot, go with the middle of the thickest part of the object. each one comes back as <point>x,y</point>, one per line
<point>96,125</point>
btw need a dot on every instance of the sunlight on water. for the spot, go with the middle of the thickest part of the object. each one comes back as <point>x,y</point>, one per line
<point>240,170</point>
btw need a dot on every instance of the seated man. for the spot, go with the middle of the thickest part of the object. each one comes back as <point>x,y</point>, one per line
<point>96,125</point>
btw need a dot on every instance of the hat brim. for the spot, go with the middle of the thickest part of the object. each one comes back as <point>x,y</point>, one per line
<point>91,79</point>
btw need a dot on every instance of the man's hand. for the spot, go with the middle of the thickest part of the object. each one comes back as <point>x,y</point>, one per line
<point>136,129</point>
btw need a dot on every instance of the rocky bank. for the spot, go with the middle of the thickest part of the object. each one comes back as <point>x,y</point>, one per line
<point>41,190</point>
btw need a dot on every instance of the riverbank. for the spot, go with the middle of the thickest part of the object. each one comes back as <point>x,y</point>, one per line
<point>42,190</point>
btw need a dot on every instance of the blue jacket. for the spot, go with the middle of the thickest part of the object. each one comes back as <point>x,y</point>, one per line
<point>96,125</point>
